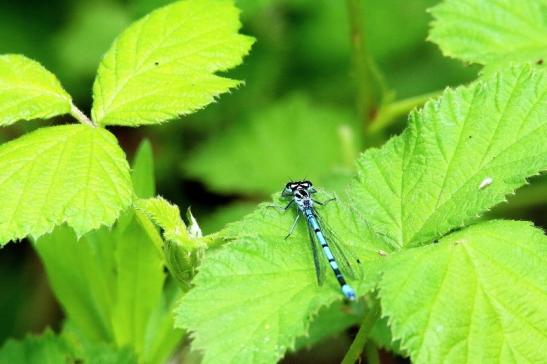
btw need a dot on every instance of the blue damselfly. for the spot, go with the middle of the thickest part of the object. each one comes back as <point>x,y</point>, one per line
<point>321,237</point>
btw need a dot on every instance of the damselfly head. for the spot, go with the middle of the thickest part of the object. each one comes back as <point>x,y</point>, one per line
<point>292,187</point>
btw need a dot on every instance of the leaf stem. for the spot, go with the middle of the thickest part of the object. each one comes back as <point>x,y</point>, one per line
<point>371,352</point>
<point>358,343</point>
<point>391,111</point>
<point>80,116</point>
<point>370,85</point>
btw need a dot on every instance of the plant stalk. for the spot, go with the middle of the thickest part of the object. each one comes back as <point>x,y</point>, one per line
<point>391,111</point>
<point>370,86</point>
<point>371,353</point>
<point>358,343</point>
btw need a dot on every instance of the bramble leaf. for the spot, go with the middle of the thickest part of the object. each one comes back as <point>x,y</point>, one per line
<point>71,173</point>
<point>29,91</point>
<point>111,285</point>
<point>82,275</point>
<point>139,284</point>
<point>295,137</point>
<point>491,32</point>
<point>254,296</point>
<point>461,155</point>
<point>164,65</point>
<point>167,217</point>
<point>43,349</point>
<point>106,354</point>
<point>478,296</point>
<point>183,248</point>
<point>48,348</point>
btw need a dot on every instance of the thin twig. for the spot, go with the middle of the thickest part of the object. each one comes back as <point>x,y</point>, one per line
<point>358,343</point>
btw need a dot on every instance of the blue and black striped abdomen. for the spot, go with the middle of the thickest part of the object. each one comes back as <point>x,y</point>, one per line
<point>322,240</point>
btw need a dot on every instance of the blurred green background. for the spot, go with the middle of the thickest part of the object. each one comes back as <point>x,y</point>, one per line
<point>294,118</point>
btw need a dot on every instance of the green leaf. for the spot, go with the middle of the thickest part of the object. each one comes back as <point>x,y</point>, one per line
<point>82,274</point>
<point>254,296</point>
<point>183,249</point>
<point>88,351</point>
<point>491,32</point>
<point>111,285</point>
<point>142,172</point>
<point>105,354</point>
<point>164,65</point>
<point>161,337</point>
<point>476,297</point>
<point>140,278</point>
<point>434,177</point>
<point>43,349</point>
<point>381,335</point>
<point>71,173</point>
<point>29,91</point>
<point>167,217</point>
<point>48,348</point>
<point>294,139</point>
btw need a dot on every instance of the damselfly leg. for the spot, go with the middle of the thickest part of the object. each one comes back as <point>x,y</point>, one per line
<point>291,230</point>
<point>281,209</point>
<point>324,203</point>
